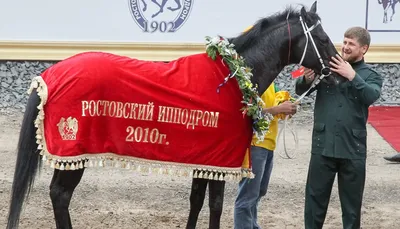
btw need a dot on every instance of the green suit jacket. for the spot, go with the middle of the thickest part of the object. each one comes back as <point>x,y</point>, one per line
<point>341,113</point>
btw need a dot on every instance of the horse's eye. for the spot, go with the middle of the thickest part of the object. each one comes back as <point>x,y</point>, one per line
<point>325,40</point>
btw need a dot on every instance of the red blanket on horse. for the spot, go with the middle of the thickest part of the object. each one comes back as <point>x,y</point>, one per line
<point>100,108</point>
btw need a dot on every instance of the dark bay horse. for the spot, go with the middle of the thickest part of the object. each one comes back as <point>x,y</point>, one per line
<point>273,42</point>
<point>388,4</point>
<point>268,54</point>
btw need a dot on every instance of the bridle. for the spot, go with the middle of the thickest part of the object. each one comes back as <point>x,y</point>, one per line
<point>325,71</point>
<point>307,32</point>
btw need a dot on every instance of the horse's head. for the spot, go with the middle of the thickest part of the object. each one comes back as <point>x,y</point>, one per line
<point>312,47</point>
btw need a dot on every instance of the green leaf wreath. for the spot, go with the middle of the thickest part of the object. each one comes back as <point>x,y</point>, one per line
<point>253,103</point>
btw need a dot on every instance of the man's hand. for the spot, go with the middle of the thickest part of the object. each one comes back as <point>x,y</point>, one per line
<point>309,75</point>
<point>287,108</point>
<point>342,67</point>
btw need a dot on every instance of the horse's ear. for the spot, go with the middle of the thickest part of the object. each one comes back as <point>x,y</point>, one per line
<point>303,12</point>
<point>314,7</point>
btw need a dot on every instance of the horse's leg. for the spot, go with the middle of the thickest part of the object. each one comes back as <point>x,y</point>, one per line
<point>178,6</point>
<point>216,202</point>
<point>197,195</point>
<point>144,5</point>
<point>62,186</point>
<point>385,9</point>
<point>155,2</point>
<point>162,5</point>
<point>393,10</point>
<point>385,17</point>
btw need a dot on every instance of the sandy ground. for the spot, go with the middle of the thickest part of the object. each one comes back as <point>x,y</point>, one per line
<point>117,198</point>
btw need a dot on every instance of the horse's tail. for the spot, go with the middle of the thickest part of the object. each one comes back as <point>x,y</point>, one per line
<point>28,161</point>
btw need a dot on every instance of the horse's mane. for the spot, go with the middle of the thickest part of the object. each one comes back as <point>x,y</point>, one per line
<point>255,45</point>
<point>265,26</point>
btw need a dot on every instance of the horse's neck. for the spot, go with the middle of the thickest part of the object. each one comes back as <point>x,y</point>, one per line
<point>271,78</point>
<point>265,76</point>
<point>267,66</point>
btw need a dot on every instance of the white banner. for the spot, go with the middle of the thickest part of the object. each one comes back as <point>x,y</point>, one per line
<point>179,21</point>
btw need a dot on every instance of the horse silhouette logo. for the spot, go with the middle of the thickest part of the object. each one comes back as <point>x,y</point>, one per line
<point>388,4</point>
<point>374,21</point>
<point>168,16</point>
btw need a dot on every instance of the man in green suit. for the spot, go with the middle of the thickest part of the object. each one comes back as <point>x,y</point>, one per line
<point>339,133</point>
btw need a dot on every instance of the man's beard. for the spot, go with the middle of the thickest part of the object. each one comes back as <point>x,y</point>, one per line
<point>348,57</point>
<point>351,59</point>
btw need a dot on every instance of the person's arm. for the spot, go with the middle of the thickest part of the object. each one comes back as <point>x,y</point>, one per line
<point>302,86</point>
<point>272,110</point>
<point>368,90</point>
<point>304,83</point>
<point>286,107</point>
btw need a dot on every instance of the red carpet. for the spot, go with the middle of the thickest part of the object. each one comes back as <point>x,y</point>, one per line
<point>386,121</point>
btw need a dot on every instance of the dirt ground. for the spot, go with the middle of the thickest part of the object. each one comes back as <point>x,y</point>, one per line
<point>117,198</point>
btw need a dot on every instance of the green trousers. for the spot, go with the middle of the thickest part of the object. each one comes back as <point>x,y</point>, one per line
<point>320,179</point>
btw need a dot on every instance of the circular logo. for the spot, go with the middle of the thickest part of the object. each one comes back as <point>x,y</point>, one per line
<point>166,16</point>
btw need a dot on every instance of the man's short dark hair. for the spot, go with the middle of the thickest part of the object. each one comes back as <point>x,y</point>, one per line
<point>360,34</point>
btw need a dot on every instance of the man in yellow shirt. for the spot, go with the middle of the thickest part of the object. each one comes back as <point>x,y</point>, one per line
<point>251,190</point>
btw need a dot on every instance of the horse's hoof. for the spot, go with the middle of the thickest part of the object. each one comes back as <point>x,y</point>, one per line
<point>172,9</point>
<point>155,15</point>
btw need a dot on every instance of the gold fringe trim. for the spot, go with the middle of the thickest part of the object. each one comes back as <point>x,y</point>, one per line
<point>41,89</point>
<point>131,163</point>
<point>172,169</point>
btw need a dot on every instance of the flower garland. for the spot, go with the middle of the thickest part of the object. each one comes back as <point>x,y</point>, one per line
<point>253,103</point>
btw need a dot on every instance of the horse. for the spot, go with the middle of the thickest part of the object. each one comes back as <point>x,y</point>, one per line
<point>273,43</point>
<point>288,26</point>
<point>161,6</point>
<point>386,4</point>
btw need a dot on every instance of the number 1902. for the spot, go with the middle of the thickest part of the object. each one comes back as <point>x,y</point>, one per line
<point>158,26</point>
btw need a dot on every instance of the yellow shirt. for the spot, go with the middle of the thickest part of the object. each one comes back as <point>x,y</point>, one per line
<point>270,138</point>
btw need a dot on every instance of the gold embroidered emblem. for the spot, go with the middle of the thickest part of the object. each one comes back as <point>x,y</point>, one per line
<point>68,128</point>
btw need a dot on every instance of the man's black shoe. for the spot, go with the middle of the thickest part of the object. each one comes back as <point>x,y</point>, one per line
<point>394,158</point>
